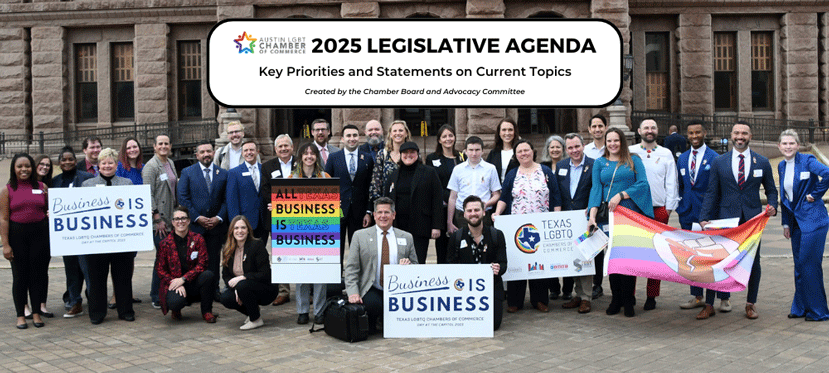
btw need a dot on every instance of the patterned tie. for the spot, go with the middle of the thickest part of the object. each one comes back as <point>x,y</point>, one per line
<point>324,153</point>
<point>741,171</point>
<point>693,166</point>
<point>384,256</point>
<point>207,179</point>
<point>255,176</point>
<point>352,166</point>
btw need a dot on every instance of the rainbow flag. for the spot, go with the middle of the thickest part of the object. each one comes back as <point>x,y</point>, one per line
<point>717,259</point>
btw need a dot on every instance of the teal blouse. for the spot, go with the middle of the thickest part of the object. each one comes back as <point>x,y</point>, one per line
<point>634,183</point>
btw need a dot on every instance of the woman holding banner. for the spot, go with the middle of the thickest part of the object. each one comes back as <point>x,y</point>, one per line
<point>98,265</point>
<point>552,154</point>
<point>619,179</point>
<point>24,230</point>
<point>528,189</point>
<point>803,181</point>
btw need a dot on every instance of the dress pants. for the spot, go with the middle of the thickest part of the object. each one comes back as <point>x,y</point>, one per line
<point>517,289</point>
<point>303,298</point>
<point>74,279</point>
<point>214,239</point>
<point>199,290</point>
<point>98,267</point>
<point>582,286</point>
<point>809,292</point>
<point>30,246</point>
<point>497,305</point>
<point>252,294</point>
<point>555,285</point>
<point>442,242</point>
<point>156,281</point>
<point>622,287</point>
<point>373,302</point>
<point>598,261</point>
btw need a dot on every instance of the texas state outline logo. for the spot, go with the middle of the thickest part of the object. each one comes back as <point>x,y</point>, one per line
<point>527,238</point>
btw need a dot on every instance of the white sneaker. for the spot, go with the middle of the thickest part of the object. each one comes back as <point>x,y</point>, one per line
<point>252,324</point>
<point>725,305</point>
<point>693,303</point>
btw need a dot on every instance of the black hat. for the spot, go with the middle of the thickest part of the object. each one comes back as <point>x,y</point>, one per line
<point>408,146</point>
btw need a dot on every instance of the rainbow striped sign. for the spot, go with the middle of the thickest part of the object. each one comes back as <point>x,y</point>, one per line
<point>717,259</point>
<point>305,230</point>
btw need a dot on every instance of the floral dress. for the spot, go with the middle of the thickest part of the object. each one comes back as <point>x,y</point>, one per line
<point>384,166</point>
<point>530,193</point>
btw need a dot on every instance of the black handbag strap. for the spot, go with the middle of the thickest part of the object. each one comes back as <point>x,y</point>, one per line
<point>611,183</point>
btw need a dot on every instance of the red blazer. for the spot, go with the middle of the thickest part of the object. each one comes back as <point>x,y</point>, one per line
<point>169,267</point>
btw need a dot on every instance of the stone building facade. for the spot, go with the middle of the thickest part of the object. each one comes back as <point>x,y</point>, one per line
<point>77,64</point>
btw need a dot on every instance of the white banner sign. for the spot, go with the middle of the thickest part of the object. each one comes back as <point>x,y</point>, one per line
<point>97,220</point>
<point>544,245</point>
<point>438,301</point>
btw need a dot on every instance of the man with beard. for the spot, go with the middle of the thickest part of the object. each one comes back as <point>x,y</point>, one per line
<point>374,139</point>
<point>321,130</point>
<point>476,244</point>
<point>734,192</point>
<point>230,155</point>
<point>278,168</point>
<point>661,170</point>
<point>694,172</point>
<point>201,190</point>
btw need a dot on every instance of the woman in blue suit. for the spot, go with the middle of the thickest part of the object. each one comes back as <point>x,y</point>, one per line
<point>804,221</point>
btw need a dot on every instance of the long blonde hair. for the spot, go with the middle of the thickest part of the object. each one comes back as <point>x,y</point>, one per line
<point>230,243</point>
<point>390,142</point>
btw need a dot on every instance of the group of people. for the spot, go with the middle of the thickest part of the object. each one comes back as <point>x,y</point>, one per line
<point>213,220</point>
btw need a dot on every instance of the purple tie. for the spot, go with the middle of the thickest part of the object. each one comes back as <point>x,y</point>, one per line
<point>741,173</point>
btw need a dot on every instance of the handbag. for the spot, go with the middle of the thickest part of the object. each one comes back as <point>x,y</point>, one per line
<point>603,212</point>
<point>344,321</point>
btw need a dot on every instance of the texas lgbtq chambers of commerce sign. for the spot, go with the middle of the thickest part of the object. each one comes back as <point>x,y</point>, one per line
<point>99,220</point>
<point>415,63</point>
<point>305,230</point>
<point>438,301</point>
<point>544,245</point>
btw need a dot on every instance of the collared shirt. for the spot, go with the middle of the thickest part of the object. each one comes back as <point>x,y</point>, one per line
<point>479,180</point>
<point>91,168</point>
<point>735,164</point>
<point>575,175</point>
<point>592,151</point>
<point>378,282</point>
<point>661,170</point>
<point>698,163</point>
<point>347,155</point>
<point>788,180</point>
<point>285,167</point>
<point>234,156</point>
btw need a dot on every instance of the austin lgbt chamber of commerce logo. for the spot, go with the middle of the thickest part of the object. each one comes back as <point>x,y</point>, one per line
<point>245,43</point>
<point>527,238</point>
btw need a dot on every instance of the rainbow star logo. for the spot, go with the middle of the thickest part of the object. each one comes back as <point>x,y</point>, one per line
<point>245,38</point>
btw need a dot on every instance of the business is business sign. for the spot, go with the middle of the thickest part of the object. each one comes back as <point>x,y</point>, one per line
<point>438,301</point>
<point>99,220</point>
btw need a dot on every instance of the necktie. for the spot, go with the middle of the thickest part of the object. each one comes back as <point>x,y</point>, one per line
<point>255,176</point>
<point>324,153</point>
<point>693,166</point>
<point>741,171</point>
<point>352,166</point>
<point>384,256</point>
<point>207,179</point>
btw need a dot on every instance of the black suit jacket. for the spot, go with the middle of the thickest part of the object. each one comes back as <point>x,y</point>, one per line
<point>80,177</point>
<point>724,197</point>
<point>265,191</point>
<point>582,195</point>
<point>494,242</point>
<point>494,157</point>
<point>256,265</point>
<point>425,197</point>
<point>353,194</point>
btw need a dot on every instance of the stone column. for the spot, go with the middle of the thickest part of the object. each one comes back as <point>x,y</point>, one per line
<point>14,85</point>
<point>798,39</point>
<point>823,67</point>
<point>616,11</point>
<point>151,73</point>
<point>482,123</point>
<point>48,79</point>
<point>696,71</point>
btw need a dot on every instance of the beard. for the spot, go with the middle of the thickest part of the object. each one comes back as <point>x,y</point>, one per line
<point>476,223</point>
<point>373,141</point>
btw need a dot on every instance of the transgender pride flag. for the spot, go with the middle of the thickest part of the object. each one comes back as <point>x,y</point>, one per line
<point>717,259</point>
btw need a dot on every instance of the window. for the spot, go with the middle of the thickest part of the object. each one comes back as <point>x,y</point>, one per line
<point>656,68</point>
<point>725,71</point>
<point>761,71</point>
<point>86,82</point>
<point>123,86</point>
<point>189,79</point>
<point>434,118</point>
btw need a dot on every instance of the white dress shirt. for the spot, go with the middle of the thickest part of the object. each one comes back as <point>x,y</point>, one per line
<point>735,164</point>
<point>661,170</point>
<point>788,180</point>
<point>378,282</point>
<point>592,151</point>
<point>479,180</point>
<point>235,157</point>
<point>285,168</point>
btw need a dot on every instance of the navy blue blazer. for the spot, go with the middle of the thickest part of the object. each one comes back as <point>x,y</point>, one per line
<point>242,196</point>
<point>353,194</point>
<point>676,143</point>
<point>509,181</point>
<point>809,215</point>
<point>691,196</point>
<point>192,194</point>
<point>724,198</point>
<point>582,195</point>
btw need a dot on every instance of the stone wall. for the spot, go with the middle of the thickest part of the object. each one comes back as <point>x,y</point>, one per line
<point>696,71</point>
<point>14,80</point>
<point>151,73</point>
<point>799,56</point>
<point>49,79</point>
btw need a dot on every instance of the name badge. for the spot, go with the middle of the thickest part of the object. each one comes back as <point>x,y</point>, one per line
<point>758,173</point>
<point>72,185</point>
<point>562,172</point>
<point>463,244</point>
<point>401,241</point>
<point>682,171</point>
<point>246,173</point>
<point>163,177</point>
<point>37,191</point>
<point>805,175</point>
<point>194,255</point>
<point>436,162</point>
<point>276,174</point>
<point>100,185</point>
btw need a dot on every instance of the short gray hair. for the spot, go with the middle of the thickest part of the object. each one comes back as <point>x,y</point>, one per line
<point>545,155</point>
<point>788,132</point>
<point>283,136</point>
<point>384,201</point>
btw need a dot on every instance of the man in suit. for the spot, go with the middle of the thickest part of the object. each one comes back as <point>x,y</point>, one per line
<point>734,192</point>
<point>353,166</point>
<point>675,142</point>
<point>243,190</point>
<point>201,190</point>
<point>694,168</point>
<point>91,148</point>
<point>230,155</point>
<point>372,248</point>
<point>160,174</point>
<point>278,168</point>
<point>575,178</point>
<point>374,138</point>
<point>321,130</point>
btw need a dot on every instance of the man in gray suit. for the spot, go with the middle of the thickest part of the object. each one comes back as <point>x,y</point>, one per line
<point>321,130</point>
<point>370,249</point>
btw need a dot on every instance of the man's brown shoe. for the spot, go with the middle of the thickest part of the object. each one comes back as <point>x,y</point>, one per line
<point>751,312</point>
<point>512,309</point>
<point>280,300</point>
<point>707,311</point>
<point>542,307</point>
<point>573,303</point>
<point>584,307</point>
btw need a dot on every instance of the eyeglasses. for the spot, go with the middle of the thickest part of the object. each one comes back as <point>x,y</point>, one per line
<point>180,219</point>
